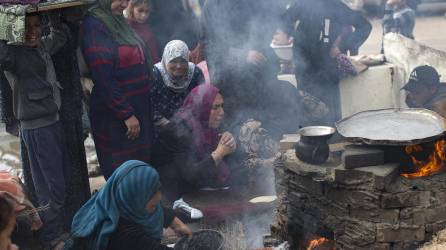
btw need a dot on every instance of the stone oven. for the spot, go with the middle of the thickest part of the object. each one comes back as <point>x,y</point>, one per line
<point>358,199</point>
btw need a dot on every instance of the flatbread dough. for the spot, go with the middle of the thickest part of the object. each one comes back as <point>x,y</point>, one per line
<point>264,199</point>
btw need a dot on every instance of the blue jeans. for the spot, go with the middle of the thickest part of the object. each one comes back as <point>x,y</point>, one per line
<point>46,150</point>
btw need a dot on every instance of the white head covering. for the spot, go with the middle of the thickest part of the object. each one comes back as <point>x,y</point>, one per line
<point>173,50</point>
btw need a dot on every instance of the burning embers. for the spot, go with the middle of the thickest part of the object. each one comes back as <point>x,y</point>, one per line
<point>320,243</point>
<point>433,163</point>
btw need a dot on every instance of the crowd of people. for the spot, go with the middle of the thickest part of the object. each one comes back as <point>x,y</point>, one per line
<point>178,105</point>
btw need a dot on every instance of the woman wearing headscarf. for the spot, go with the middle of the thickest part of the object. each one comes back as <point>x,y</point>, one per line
<point>174,78</point>
<point>120,106</point>
<point>190,152</point>
<point>126,213</point>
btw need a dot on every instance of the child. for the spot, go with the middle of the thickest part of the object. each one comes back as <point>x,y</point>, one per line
<point>399,18</point>
<point>137,14</point>
<point>36,104</point>
<point>7,224</point>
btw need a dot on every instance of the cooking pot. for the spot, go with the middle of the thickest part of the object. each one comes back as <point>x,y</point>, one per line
<point>312,146</point>
<point>201,240</point>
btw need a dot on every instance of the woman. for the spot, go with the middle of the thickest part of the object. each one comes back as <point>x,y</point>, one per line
<point>190,152</point>
<point>120,107</point>
<point>137,15</point>
<point>174,78</point>
<point>126,213</point>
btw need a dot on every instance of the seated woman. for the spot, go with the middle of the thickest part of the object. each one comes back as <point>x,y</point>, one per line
<point>174,78</point>
<point>189,152</point>
<point>126,213</point>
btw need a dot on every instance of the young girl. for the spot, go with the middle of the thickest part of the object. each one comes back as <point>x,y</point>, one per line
<point>7,224</point>
<point>137,14</point>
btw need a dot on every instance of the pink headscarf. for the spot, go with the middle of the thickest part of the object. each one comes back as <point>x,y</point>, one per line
<point>195,112</point>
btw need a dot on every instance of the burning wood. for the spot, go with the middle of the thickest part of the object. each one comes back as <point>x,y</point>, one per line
<point>318,243</point>
<point>435,162</point>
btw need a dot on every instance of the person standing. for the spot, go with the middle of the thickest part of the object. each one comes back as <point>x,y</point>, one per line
<point>399,18</point>
<point>36,104</point>
<point>315,26</point>
<point>120,106</point>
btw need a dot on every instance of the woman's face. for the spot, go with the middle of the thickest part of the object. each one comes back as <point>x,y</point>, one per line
<point>118,6</point>
<point>151,204</point>
<point>217,112</point>
<point>141,13</point>
<point>177,67</point>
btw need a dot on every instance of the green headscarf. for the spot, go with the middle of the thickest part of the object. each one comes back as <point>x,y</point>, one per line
<point>122,33</point>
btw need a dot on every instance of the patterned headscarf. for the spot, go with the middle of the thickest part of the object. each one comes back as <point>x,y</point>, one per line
<point>173,50</point>
<point>125,194</point>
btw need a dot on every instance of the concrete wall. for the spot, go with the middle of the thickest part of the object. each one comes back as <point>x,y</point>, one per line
<point>374,88</point>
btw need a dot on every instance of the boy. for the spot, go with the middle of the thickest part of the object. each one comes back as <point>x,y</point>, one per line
<point>36,103</point>
<point>399,18</point>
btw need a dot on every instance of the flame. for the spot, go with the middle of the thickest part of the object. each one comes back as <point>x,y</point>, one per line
<point>316,243</point>
<point>435,162</point>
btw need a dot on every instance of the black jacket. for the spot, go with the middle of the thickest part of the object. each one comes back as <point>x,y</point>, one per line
<point>312,42</point>
<point>176,159</point>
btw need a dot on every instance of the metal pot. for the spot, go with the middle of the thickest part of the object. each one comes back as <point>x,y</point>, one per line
<point>312,146</point>
<point>202,240</point>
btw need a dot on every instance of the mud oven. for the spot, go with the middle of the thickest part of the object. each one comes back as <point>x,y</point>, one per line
<point>360,198</point>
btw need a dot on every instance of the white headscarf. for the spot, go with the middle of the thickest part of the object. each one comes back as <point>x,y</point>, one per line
<point>173,50</point>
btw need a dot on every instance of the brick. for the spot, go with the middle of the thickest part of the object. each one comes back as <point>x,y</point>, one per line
<point>362,156</point>
<point>421,216</point>
<point>406,246</point>
<point>376,215</point>
<point>374,177</point>
<point>362,199</point>
<point>399,233</point>
<point>406,199</point>
<point>439,197</point>
<point>306,184</point>
<point>355,233</point>
<point>435,227</point>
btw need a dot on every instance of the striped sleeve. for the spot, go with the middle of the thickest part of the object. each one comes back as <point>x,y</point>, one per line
<point>100,55</point>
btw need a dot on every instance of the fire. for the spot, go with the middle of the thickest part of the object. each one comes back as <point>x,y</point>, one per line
<point>434,163</point>
<point>314,244</point>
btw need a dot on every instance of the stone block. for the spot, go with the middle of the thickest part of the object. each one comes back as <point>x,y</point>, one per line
<point>435,227</point>
<point>355,233</point>
<point>359,199</point>
<point>306,184</point>
<point>376,215</point>
<point>355,156</point>
<point>399,233</point>
<point>288,141</point>
<point>421,216</point>
<point>373,177</point>
<point>406,199</point>
<point>438,197</point>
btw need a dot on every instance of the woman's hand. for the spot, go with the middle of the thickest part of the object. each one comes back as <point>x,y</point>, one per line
<point>334,51</point>
<point>133,127</point>
<point>255,57</point>
<point>226,146</point>
<point>180,228</point>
